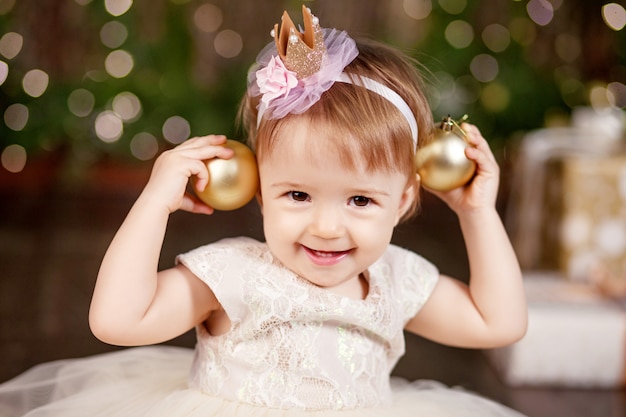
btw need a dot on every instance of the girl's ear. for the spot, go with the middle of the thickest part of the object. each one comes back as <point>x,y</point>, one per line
<point>408,198</point>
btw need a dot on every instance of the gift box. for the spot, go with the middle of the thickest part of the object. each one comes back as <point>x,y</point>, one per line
<point>576,337</point>
<point>536,202</point>
<point>593,226</point>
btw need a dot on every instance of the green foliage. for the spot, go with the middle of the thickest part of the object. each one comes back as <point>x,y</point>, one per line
<point>174,74</point>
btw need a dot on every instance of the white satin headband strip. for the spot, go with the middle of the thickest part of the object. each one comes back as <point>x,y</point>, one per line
<point>388,94</point>
<point>378,88</point>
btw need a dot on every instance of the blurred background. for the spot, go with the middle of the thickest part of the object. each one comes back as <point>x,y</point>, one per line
<point>91,91</point>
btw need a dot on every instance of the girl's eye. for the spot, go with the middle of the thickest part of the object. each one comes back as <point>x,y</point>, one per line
<point>361,201</point>
<point>298,195</point>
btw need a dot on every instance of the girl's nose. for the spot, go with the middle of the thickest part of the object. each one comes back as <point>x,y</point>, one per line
<point>326,222</point>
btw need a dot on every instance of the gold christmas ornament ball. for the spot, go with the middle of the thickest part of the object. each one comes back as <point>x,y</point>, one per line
<point>232,182</point>
<point>442,164</point>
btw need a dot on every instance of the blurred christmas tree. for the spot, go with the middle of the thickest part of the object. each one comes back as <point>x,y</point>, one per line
<point>113,78</point>
<point>518,65</point>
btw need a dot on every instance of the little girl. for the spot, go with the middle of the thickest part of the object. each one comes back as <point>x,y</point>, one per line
<point>311,321</point>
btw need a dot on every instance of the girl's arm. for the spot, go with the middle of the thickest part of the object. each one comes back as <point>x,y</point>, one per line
<point>132,303</point>
<point>491,311</point>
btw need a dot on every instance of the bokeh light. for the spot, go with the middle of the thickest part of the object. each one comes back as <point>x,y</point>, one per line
<point>598,95</point>
<point>127,106</point>
<point>14,158</point>
<point>6,6</point>
<point>459,34</point>
<point>144,146</point>
<point>228,43</point>
<point>614,16</point>
<point>16,116</point>
<point>113,34</point>
<point>418,9</point>
<point>176,130</point>
<point>119,63</point>
<point>484,68</point>
<point>208,17</point>
<point>540,11</point>
<point>108,126</point>
<point>11,44</point>
<point>453,6</point>
<point>496,37</point>
<point>35,82</point>
<point>81,102</point>
<point>117,7</point>
<point>4,72</point>
<point>617,94</point>
<point>495,97</point>
<point>522,31</point>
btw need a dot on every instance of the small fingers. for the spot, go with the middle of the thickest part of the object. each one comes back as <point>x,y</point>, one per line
<point>200,141</point>
<point>192,204</point>
<point>198,149</point>
<point>206,147</point>
<point>201,173</point>
<point>476,139</point>
<point>482,156</point>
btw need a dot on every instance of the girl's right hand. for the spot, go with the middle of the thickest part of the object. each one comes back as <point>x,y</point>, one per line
<point>173,168</point>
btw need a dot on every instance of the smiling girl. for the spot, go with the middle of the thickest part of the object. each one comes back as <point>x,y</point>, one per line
<point>310,321</point>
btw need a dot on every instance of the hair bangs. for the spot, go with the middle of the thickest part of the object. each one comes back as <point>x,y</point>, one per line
<point>367,131</point>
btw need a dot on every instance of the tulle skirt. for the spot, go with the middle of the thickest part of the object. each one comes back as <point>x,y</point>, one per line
<point>152,381</point>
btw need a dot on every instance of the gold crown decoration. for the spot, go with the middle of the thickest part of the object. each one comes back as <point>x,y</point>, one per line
<point>301,52</point>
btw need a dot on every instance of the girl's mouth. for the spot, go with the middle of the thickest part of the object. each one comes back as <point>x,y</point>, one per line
<point>325,258</point>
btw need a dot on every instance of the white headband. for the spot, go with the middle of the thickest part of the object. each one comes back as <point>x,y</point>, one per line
<point>390,95</point>
<point>375,87</point>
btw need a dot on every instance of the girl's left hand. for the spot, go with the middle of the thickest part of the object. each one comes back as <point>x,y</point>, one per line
<point>482,190</point>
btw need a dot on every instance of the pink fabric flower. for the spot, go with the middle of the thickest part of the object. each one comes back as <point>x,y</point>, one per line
<point>275,80</point>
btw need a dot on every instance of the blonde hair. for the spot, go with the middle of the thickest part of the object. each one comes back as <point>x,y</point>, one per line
<point>366,128</point>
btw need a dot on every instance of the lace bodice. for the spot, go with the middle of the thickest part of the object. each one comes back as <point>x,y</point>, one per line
<point>295,345</point>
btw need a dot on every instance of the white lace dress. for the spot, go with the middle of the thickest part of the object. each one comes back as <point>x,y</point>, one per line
<point>293,349</point>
